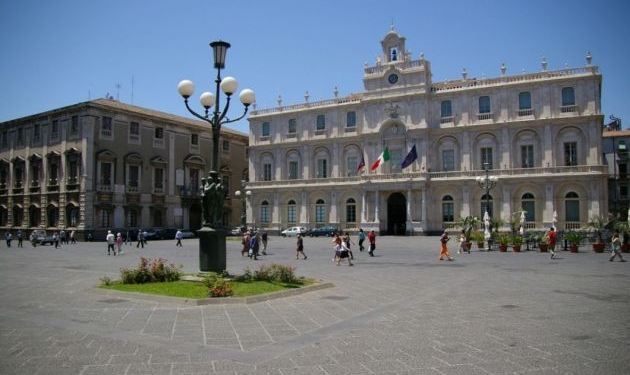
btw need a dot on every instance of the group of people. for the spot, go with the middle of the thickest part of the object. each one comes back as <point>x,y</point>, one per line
<point>251,244</point>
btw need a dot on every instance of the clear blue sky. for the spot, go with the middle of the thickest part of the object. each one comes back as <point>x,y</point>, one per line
<point>58,53</point>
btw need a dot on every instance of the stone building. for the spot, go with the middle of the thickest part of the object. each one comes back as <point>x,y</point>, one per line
<point>104,164</point>
<point>539,134</point>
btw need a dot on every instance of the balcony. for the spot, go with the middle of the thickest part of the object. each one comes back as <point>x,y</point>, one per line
<point>35,186</point>
<point>568,109</point>
<point>72,183</point>
<point>525,112</point>
<point>484,116</point>
<point>52,185</point>
<point>18,187</point>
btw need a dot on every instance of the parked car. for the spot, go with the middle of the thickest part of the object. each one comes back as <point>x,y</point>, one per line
<point>160,234</point>
<point>42,237</point>
<point>236,231</point>
<point>293,231</point>
<point>322,231</point>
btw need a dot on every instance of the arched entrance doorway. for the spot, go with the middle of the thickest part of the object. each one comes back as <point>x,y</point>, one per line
<point>396,214</point>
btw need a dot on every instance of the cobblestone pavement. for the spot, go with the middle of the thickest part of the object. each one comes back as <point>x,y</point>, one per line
<point>400,312</point>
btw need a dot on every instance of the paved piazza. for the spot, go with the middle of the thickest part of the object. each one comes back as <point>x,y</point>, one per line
<point>400,312</point>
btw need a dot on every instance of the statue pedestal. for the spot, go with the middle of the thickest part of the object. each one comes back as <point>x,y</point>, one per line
<point>211,250</point>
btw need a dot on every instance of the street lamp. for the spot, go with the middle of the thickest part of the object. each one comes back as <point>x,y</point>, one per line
<point>212,235</point>
<point>487,183</point>
<point>243,195</point>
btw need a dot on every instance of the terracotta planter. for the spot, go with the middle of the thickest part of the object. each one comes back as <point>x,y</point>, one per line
<point>543,247</point>
<point>573,248</point>
<point>480,245</point>
<point>468,245</point>
<point>598,247</point>
<point>625,248</point>
<point>516,248</point>
<point>503,248</point>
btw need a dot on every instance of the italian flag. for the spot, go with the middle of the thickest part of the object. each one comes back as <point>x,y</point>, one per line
<point>382,158</point>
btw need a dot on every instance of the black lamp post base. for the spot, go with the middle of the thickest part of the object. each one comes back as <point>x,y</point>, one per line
<point>212,253</point>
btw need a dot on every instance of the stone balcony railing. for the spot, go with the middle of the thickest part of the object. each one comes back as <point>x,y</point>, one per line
<point>435,176</point>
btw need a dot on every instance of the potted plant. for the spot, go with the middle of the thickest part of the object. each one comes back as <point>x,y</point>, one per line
<point>622,227</point>
<point>503,240</point>
<point>574,239</point>
<point>597,224</point>
<point>468,225</point>
<point>479,238</point>
<point>543,243</point>
<point>517,241</point>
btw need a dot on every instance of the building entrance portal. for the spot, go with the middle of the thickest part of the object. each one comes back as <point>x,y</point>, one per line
<point>396,214</point>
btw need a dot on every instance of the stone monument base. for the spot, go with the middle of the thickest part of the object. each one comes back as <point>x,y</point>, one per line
<point>212,251</point>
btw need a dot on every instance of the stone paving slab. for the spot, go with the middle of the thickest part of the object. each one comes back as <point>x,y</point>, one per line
<point>401,312</point>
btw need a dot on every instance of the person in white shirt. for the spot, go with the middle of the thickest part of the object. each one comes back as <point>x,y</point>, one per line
<point>111,240</point>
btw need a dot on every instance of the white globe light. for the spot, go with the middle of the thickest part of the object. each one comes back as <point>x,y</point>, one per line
<point>229,85</point>
<point>186,88</point>
<point>207,99</point>
<point>247,96</point>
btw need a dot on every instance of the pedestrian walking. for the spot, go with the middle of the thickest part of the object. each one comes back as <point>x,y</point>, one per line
<point>8,237</point>
<point>62,237</point>
<point>336,245</point>
<point>264,243</point>
<point>462,243</point>
<point>73,238</point>
<point>254,246</point>
<point>346,238</point>
<point>552,237</point>
<point>372,241</point>
<point>140,239</point>
<point>245,243</point>
<point>178,236</point>
<point>119,243</point>
<point>128,238</point>
<point>300,247</point>
<point>111,240</point>
<point>616,248</point>
<point>342,253</point>
<point>444,248</point>
<point>361,239</point>
<point>19,238</point>
<point>33,239</point>
<point>56,239</point>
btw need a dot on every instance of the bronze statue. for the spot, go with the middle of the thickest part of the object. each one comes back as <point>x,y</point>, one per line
<point>212,197</point>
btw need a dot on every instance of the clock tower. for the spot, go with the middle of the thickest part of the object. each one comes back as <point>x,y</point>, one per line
<point>395,68</point>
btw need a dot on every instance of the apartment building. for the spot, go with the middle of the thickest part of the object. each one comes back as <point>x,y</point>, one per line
<point>539,134</point>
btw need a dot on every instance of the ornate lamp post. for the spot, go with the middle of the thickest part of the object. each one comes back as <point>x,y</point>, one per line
<point>487,183</point>
<point>243,195</point>
<point>212,235</point>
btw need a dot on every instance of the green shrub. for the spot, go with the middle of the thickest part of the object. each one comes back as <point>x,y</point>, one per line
<point>151,271</point>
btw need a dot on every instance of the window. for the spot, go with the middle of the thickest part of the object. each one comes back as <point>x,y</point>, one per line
<point>264,212</point>
<point>225,181</point>
<point>158,180</point>
<point>34,214</point>
<point>159,133</point>
<point>486,158</point>
<point>106,127</point>
<point>54,129</point>
<point>72,215</point>
<point>322,172</point>
<point>351,165</point>
<point>292,126</point>
<point>320,212</point>
<point>104,218</point>
<point>446,110</point>
<point>486,205</point>
<point>293,170</point>
<point>134,176</point>
<point>20,136</point>
<point>5,139</point>
<point>36,133</point>
<point>18,216</point>
<point>106,173</point>
<point>484,104</point>
<point>225,146</point>
<point>393,54</point>
<point>132,218</point>
<point>568,96</point>
<point>134,132</point>
<point>194,140</point>
<point>448,160</point>
<point>570,154</point>
<point>74,125</point>
<point>266,172</point>
<point>528,204</point>
<point>291,212</point>
<point>572,206</point>
<point>524,100</point>
<point>351,119</point>
<point>448,209</point>
<point>52,216</point>
<point>527,156</point>
<point>351,211</point>
<point>321,122</point>
<point>266,129</point>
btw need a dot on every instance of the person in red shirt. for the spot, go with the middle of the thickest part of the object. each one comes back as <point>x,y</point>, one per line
<point>552,242</point>
<point>372,240</point>
<point>444,248</point>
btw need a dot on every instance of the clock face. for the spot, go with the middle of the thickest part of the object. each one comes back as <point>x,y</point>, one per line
<point>393,78</point>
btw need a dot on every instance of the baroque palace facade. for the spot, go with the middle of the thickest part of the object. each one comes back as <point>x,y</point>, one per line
<point>103,164</point>
<point>539,134</point>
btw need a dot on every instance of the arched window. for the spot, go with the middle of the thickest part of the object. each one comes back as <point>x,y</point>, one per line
<point>34,216</point>
<point>52,216</point>
<point>72,215</point>
<point>264,212</point>
<point>320,212</point>
<point>448,209</point>
<point>17,216</point>
<point>486,205</point>
<point>351,211</point>
<point>528,204</point>
<point>291,212</point>
<point>572,206</point>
